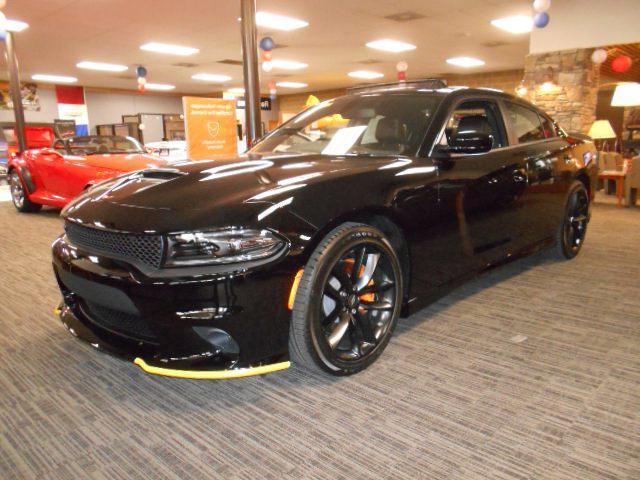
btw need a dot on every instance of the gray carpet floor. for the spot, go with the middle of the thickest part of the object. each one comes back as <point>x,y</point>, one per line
<point>529,372</point>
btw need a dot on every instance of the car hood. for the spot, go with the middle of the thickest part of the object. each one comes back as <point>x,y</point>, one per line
<point>124,162</point>
<point>242,191</point>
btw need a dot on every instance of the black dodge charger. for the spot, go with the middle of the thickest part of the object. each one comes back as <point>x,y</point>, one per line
<point>311,245</point>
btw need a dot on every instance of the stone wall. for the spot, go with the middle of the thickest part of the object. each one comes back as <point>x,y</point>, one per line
<point>565,85</point>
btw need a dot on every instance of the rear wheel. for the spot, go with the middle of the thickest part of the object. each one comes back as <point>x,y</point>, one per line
<point>19,195</point>
<point>571,233</point>
<point>348,301</point>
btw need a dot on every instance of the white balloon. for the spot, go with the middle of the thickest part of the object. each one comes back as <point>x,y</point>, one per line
<point>267,66</point>
<point>142,81</point>
<point>141,126</point>
<point>402,66</point>
<point>599,55</point>
<point>541,5</point>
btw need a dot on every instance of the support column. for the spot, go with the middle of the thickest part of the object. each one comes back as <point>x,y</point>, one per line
<point>14,90</point>
<point>565,85</point>
<point>250,70</point>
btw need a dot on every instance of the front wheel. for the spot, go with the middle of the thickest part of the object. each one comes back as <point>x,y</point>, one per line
<point>19,195</point>
<point>348,301</point>
<point>571,232</point>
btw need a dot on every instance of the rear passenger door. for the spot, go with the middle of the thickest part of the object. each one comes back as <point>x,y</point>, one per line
<point>543,155</point>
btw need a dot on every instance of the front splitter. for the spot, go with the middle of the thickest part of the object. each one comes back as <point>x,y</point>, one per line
<point>65,315</point>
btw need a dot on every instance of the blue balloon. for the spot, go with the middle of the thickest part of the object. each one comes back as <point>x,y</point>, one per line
<point>541,19</point>
<point>141,71</point>
<point>267,44</point>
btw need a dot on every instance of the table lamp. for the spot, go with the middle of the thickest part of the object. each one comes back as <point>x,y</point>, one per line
<point>601,130</point>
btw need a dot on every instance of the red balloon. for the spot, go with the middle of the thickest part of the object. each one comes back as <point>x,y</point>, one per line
<point>402,76</point>
<point>267,55</point>
<point>141,88</point>
<point>621,64</point>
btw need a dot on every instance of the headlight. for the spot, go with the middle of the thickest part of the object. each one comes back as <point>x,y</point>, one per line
<point>219,247</point>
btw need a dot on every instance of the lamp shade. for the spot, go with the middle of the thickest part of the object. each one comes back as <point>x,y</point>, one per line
<point>601,129</point>
<point>626,95</point>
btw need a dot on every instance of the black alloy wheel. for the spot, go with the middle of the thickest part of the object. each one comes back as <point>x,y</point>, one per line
<point>572,232</point>
<point>348,301</point>
<point>19,195</point>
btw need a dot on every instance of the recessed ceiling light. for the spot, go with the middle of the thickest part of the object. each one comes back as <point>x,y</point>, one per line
<point>168,49</point>
<point>387,45</point>
<point>42,77</point>
<point>291,84</point>
<point>211,77</point>
<point>515,24</point>
<point>288,64</point>
<point>279,22</point>
<point>15,25</point>
<point>236,91</point>
<point>104,67</point>
<point>158,86</point>
<point>465,62</point>
<point>365,74</point>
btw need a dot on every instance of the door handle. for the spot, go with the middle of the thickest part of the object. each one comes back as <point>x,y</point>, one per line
<point>567,158</point>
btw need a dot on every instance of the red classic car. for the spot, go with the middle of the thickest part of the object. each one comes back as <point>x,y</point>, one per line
<point>53,176</point>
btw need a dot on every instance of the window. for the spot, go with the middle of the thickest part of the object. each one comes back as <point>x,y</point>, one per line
<point>478,116</point>
<point>548,127</point>
<point>526,123</point>
<point>366,125</point>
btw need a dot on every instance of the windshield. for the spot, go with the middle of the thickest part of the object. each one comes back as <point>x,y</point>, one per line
<point>374,124</point>
<point>99,144</point>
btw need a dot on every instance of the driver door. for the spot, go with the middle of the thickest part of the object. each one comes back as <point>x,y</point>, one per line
<point>63,175</point>
<point>480,192</point>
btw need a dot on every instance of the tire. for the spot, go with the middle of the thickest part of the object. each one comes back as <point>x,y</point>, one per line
<point>341,323</point>
<point>19,195</point>
<point>570,234</point>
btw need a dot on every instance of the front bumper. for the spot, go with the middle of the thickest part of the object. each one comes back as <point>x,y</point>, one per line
<point>207,326</point>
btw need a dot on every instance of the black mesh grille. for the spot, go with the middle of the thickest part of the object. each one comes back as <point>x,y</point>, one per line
<point>119,322</point>
<point>146,249</point>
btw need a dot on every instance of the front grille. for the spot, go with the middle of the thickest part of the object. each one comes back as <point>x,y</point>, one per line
<point>136,248</point>
<point>119,322</point>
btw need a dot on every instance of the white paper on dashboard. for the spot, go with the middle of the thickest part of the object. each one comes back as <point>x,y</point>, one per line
<point>343,140</point>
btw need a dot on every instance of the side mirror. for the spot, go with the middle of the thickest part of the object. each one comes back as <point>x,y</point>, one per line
<point>469,143</point>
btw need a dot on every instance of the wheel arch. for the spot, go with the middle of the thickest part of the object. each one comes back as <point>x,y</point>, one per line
<point>385,220</point>
<point>582,176</point>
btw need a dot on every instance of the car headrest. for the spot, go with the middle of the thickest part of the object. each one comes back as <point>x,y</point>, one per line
<point>391,130</point>
<point>474,123</point>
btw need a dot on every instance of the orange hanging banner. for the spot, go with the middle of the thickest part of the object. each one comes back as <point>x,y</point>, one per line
<point>210,127</point>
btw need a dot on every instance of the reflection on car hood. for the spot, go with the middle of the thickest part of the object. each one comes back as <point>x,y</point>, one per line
<point>216,193</point>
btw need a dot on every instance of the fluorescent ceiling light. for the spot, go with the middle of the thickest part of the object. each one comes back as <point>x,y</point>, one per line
<point>288,64</point>
<point>279,22</point>
<point>42,77</point>
<point>465,62</point>
<point>365,74</point>
<point>236,91</point>
<point>515,24</point>
<point>15,25</point>
<point>104,67</point>
<point>387,45</point>
<point>626,95</point>
<point>158,86</point>
<point>291,84</point>
<point>168,49</point>
<point>211,77</point>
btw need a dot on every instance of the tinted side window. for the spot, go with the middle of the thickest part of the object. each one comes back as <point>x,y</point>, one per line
<point>475,115</point>
<point>548,128</point>
<point>525,122</point>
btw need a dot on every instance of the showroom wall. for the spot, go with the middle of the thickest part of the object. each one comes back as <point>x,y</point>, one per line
<point>506,80</point>
<point>108,107</point>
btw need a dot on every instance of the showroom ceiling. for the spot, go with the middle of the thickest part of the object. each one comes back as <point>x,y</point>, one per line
<point>65,32</point>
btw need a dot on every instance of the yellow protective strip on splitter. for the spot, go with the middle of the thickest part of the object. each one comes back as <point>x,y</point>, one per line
<point>211,374</point>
